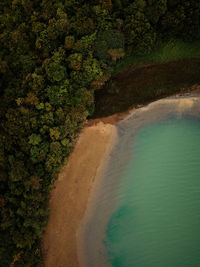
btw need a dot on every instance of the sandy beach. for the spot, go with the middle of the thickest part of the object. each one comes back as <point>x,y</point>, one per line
<point>71,192</point>
<point>70,195</point>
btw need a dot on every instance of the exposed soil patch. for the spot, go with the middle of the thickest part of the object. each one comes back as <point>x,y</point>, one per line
<point>144,84</point>
<point>113,119</point>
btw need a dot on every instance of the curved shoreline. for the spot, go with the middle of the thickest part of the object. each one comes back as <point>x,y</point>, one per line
<point>115,118</point>
<point>71,191</point>
<point>101,206</point>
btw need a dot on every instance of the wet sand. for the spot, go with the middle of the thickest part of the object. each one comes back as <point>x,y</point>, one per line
<point>70,195</point>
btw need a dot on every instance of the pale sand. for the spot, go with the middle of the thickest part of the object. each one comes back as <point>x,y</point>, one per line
<point>71,192</point>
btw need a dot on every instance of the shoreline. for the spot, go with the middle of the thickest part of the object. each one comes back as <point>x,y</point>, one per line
<point>70,195</point>
<point>93,197</point>
<point>102,205</point>
<point>117,117</point>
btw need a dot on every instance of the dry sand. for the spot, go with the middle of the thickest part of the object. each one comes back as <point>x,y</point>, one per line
<point>70,195</point>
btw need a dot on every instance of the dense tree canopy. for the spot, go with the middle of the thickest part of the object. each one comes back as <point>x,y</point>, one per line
<point>53,55</point>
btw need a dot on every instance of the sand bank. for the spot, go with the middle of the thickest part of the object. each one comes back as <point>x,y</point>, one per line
<point>70,195</point>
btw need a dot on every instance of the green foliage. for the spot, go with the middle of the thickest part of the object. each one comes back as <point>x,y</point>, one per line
<point>35,139</point>
<point>55,71</point>
<point>140,35</point>
<point>69,42</point>
<point>106,40</point>
<point>53,54</point>
<point>92,69</point>
<point>104,20</point>
<point>155,9</point>
<point>58,94</point>
<point>38,153</point>
<point>75,61</point>
<point>85,44</point>
<point>183,20</point>
<point>165,52</point>
<point>54,67</point>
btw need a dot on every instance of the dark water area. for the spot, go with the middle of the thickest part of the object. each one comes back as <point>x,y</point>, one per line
<point>146,212</point>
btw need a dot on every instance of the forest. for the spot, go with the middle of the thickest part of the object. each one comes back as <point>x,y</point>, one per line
<point>54,56</point>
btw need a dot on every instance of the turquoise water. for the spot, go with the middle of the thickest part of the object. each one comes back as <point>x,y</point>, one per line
<point>157,219</point>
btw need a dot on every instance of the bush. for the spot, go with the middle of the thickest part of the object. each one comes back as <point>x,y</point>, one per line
<point>106,40</point>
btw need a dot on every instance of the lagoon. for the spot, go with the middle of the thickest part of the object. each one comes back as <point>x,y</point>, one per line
<point>156,222</point>
<point>146,210</point>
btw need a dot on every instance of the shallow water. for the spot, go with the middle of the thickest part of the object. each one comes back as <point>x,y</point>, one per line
<point>157,219</point>
<point>145,212</point>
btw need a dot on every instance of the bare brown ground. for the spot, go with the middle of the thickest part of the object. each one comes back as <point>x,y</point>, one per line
<point>70,195</point>
<point>113,119</point>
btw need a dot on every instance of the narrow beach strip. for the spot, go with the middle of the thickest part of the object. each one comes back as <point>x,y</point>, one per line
<point>70,195</point>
